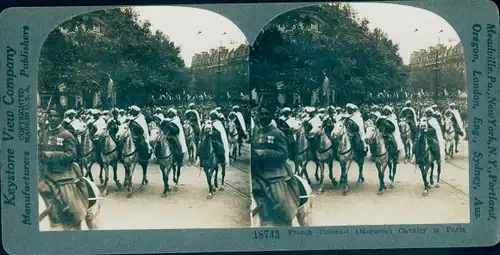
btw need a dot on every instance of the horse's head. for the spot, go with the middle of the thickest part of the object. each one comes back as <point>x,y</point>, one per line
<point>313,127</point>
<point>154,134</point>
<point>447,121</point>
<point>338,128</point>
<point>123,130</point>
<point>101,130</point>
<point>231,126</point>
<point>79,126</point>
<point>186,125</point>
<point>370,132</point>
<point>207,128</point>
<point>423,125</point>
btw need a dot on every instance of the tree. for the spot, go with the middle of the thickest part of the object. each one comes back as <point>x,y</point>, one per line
<point>357,61</point>
<point>82,50</point>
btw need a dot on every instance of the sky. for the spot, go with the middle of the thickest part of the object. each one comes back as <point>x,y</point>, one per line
<point>182,25</point>
<point>399,22</point>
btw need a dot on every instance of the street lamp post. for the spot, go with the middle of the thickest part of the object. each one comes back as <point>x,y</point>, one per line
<point>219,71</point>
<point>436,69</point>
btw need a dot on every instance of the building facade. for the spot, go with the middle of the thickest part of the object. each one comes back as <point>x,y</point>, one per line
<point>220,71</point>
<point>438,67</point>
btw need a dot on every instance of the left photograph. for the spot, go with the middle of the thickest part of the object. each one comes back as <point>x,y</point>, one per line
<point>143,121</point>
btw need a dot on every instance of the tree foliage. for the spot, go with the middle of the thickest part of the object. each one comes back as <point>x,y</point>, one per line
<point>356,60</point>
<point>139,61</point>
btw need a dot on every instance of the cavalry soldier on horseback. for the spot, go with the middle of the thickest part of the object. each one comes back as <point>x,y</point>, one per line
<point>456,119</point>
<point>321,113</point>
<point>338,110</point>
<point>214,116</point>
<point>356,128</point>
<point>194,117</point>
<point>240,124</point>
<point>69,116</point>
<point>179,131</point>
<point>387,123</point>
<point>435,131</point>
<point>61,184</point>
<point>140,132</point>
<point>274,188</point>
<point>410,114</point>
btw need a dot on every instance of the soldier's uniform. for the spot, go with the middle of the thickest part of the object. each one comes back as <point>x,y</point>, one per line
<point>387,129</point>
<point>273,186</point>
<point>355,130</point>
<point>193,116</point>
<point>411,115</point>
<point>139,134</point>
<point>61,184</point>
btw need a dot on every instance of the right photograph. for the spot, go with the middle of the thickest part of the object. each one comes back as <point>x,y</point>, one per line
<point>359,117</point>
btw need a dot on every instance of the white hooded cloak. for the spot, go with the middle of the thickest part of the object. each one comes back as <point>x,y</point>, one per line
<point>141,120</point>
<point>434,124</point>
<point>182,139</point>
<point>459,119</point>
<point>358,119</point>
<point>397,134</point>
<point>414,113</point>
<point>218,125</point>
<point>197,117</point>
<point>242,122</point>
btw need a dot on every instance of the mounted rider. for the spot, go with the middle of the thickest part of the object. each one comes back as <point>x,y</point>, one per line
<point>240,124</point>
<point>178,132</point>
<point>60,184</point>
<point>410,114</point>
<point>356,128</point>
<point>140,132</point>
<point>387,123</point>
<point>69,116</point>
<point>456,119</point>
<point>274,188</point>
<point>435,130</point>
<point>222,139</point>
<point>194,118</point>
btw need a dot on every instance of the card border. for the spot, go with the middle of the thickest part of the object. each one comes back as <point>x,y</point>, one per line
<point>20,238</point>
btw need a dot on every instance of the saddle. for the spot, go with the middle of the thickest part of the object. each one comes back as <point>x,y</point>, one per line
<point>303,196</point>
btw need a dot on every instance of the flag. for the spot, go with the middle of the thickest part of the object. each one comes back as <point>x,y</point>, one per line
<point>228,96</point>
<point>445,92</point>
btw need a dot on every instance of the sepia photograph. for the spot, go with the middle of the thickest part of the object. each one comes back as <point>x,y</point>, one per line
<point>359,116</point>
<point>144,121</point>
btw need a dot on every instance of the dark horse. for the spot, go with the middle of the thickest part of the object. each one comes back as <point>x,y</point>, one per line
<point>211,153</point>
<point>427,152</point>
<point>170,131</point>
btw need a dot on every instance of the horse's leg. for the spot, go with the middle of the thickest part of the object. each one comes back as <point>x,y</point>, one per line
<point>344,177</point>
<point>115,175</point>
<point>392,173</point>
<point>145,181</point>
<point>303,167</point>
<point>361,164</point>
<point>106,178</point>
<point>317,168</point>
<point>216,176</point>
<point>223,173</point>
<point>100,163</point>
<point>331,175</point>
<point>438,163</point>
<point>431,178</point>
<point>457,140</point>
<point>175,175</point>
<point>208,174</point>
<point>380,170</point>
<point>164,175</point>
<point>424,169</point>
<point>321,177</point>
<point>130,189</point>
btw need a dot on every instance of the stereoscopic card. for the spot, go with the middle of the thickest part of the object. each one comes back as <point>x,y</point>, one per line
<point>202,128</point>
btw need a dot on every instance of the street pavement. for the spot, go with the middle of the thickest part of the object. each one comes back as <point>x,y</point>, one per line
<point>185,208</point>
<point>403,205</point>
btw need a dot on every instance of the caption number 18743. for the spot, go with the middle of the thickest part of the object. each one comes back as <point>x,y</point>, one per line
<point>266,234</point>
